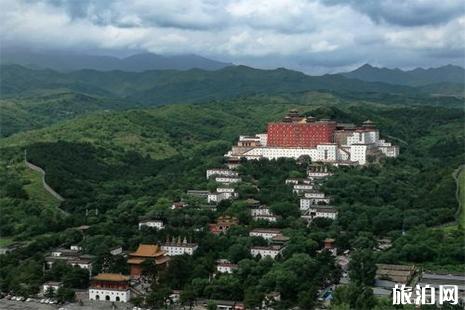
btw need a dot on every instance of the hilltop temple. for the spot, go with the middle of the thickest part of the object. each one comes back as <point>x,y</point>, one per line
<point>322,140</point>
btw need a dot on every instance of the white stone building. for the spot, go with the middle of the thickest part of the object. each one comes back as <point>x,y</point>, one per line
<point>175,248</point>
<point>221,172</point>
<point>316,211</point>
<point>300,189</point>
<point>110,287</point>
<point>351,147</point>
<point>265,233</point>
<point>306,203</point>
<point>314,194</point>
<point>225,266</point>
<point>227,180</point>
<point>268,218</point>
<point>264,251</point>
<point>217,197</point>
<point>51,285</point>
<point>158,224</point>
<point>260,210</point>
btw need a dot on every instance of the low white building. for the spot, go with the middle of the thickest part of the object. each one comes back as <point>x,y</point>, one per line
<point>268,218</point>
<point>260,210</point>
<point>175,248</point>
<point>306,203</point>
<point>225,266</point>
<point>110,287</point>
<point>217,197</point>
<point>158,224</point>
<point>314,194</point>
<point>227,180</point>
<point>264,251</point>
<point>300,189</point>
<point>118,250</point>
<point>318,174</point>
<point>265,233</point>
<point>221,172</point>
<point>51,285</point>
<point>316,211</point>
<point>292,181</point>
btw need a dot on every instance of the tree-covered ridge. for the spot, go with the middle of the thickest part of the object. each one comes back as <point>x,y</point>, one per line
<point>94,169</point>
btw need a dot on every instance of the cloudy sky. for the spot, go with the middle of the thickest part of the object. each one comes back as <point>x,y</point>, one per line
<point>314,36</point>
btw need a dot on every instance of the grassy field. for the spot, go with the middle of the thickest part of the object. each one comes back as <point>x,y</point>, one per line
<point>5,241</point>
<point>36,191</point>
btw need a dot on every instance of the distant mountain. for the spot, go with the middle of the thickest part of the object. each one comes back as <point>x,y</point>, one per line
<point>61,61</point>
<point>170,86</point>
<point>416,77</point>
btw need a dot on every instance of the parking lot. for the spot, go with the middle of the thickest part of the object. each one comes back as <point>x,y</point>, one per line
<point>88,305</point>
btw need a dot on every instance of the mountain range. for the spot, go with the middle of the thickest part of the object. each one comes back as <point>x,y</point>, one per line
<point>61,61</point>
<point>417,77</point>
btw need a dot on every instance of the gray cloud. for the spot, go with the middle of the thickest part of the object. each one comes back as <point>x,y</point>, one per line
<point>315,36</point>
<point>406,13</point>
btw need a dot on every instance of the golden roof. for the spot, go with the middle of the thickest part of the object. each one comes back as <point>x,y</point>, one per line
<point>111,277</point>
<point>148,250</point>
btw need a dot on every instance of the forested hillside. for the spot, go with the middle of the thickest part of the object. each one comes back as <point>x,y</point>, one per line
<point>113,167</point>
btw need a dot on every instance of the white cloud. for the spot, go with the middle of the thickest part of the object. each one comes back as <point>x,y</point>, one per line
<point>322,35</point>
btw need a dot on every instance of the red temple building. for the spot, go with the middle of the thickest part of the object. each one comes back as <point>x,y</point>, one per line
<point>146,252</point>
<point>299,131</point>
<point>110,287</point>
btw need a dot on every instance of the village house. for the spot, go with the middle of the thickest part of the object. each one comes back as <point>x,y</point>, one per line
<point>158,224</point>
<point>72,257</point>
<point>146,252</point>
<point>265,233</point>
<point>387,276</point>
<point>330,246</point>
<point>271,251</point>
<point>178,205</point>
<point>117,250</point>
<point>221,172</point>
<point>178,247</point>
<point>270,299</point>
<point>223,223</point>
<point>110,287</point>
<point>435,280</point>
<point>225,266</point>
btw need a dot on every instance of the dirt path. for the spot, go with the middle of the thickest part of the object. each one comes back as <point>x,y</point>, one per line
<point>459,215</point>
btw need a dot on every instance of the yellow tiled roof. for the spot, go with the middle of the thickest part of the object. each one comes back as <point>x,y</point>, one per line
<point>111,277</point>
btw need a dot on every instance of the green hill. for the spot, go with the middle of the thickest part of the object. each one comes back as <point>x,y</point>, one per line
<point>417,77</point>
<point>169,86</point>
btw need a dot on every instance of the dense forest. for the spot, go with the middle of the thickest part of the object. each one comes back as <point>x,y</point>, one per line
<point>112,167</point>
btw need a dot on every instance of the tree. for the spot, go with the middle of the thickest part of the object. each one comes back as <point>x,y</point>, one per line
<point>50,292</point>
<point>64,294</point>
<point>211,305</point>
<point>362,267</point>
